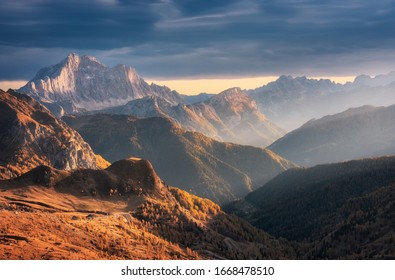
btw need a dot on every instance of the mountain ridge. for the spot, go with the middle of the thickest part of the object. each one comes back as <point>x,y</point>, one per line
<point>291,101</point>
<point>208,168</point>
<point>355,133</point>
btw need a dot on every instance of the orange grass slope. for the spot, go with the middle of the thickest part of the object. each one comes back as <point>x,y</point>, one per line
<point>123,212</point>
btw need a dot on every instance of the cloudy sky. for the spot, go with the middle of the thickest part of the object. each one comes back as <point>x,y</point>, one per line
<point>198,39</point>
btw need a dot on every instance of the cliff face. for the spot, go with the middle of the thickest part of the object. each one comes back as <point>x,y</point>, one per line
<point>31,136</point>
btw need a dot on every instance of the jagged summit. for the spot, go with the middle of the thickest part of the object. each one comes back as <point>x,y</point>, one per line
<point>82,83</point>
<point>234,90</point>
<point>233,99</point>
<point>375,81</point>
<point>230,95</point>
<point>71,63</point>
<point>73,58</point>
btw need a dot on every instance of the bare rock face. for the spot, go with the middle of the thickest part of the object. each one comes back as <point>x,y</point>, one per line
<point>82,83</point>
<point>31,136</point>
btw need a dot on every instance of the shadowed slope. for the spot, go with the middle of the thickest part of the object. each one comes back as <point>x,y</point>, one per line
<point>345,210</point>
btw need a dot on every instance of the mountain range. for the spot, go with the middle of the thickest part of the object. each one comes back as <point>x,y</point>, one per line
<point>81,84</point>
<point>356,133</point>
<point>291,102</point>
<point>66,206</point>
<point>171,164</point>
<point>190,160</point>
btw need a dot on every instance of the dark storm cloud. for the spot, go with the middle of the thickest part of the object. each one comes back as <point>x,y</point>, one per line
<point>175,38</point>
<point>75,24</point>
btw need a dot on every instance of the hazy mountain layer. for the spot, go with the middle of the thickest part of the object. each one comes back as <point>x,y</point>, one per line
<point>290,102</point>
<point>122,212</point>
<point>230,116</point>
<point>82,83</point>
<point>31,136</point>
<point>356,133</point>
<point>345,210</point>
<point>189,160</point>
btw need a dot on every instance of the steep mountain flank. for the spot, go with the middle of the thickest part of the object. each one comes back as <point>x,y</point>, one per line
<point>31,136</point>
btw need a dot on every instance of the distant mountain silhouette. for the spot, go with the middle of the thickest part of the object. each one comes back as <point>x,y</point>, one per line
<point>289,102</point>
<point>356,133</point>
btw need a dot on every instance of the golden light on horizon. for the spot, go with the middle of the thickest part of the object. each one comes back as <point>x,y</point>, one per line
<point>6,85</point>
<point>196,86</point>
<point>216,85</point>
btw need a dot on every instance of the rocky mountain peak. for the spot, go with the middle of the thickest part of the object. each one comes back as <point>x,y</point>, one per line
<point>233,99</point>
<point>85,84</point>
<point>71,61</point>
<point>74,59</point>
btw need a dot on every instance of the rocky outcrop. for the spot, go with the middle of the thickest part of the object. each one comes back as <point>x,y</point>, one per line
<point>31,136</point>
